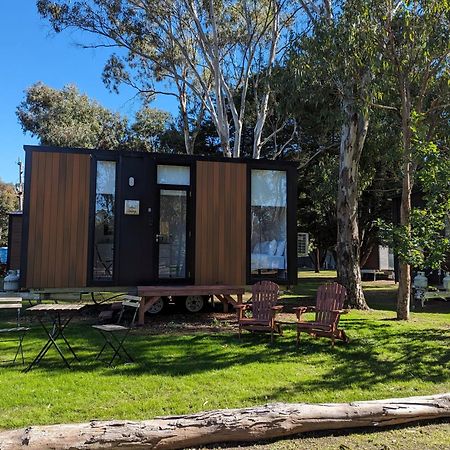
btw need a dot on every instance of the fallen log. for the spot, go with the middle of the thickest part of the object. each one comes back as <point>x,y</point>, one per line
<point>227,425</point>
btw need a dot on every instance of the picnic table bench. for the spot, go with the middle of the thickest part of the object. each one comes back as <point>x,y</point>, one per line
<point>73,294</point>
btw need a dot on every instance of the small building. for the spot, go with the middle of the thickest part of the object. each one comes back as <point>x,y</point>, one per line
<point>379,262</point>
<point>118,218</point>
<point>14,240</point>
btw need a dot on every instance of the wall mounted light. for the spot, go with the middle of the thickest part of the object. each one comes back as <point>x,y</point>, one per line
<point>131,181</point>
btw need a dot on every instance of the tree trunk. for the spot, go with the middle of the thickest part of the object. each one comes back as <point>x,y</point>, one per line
<point>404,287</point>
<point>317,260</point>
<point>353,135</point>
<point>228,425</point>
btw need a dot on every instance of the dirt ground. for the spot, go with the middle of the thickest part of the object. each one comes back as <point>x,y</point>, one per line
<point>431,436</point>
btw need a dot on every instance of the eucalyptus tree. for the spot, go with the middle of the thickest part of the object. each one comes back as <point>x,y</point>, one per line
<point>206,52</point>
<point>343,52</point>
<point>67,118</point>
<point>417,62</point>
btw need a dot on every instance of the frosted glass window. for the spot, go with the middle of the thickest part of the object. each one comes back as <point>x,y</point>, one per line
<point>268,224</point>
<point>179,175</point>
<point>268,188</point>
<point>106,177</point>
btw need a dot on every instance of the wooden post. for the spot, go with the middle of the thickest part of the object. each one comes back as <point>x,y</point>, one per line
<point>141,319</point>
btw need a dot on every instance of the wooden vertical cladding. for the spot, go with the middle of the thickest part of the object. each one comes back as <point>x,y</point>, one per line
<point>14,241</point>
<point>58,220</point>
<point>220,226</point>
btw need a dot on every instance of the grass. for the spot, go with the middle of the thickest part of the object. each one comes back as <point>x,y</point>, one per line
<point>179,371</point>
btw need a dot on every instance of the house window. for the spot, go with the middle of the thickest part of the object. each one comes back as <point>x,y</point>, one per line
<point>268,223</point>
<point>176,175</point>
<point>104,221</point>
<point>174,185</point>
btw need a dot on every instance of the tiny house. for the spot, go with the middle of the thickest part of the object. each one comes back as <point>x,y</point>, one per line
<point>379,261</point>
<point>117,218</point>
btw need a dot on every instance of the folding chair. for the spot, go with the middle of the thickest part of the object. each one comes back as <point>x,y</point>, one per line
<point>14,303</point>
<point>116,334</point>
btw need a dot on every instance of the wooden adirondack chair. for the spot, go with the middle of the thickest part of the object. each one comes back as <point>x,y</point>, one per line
<point>328,309</point>
<point>263,307</point>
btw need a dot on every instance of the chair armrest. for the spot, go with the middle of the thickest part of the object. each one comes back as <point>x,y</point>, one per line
<point>336,311</point>
<point>275,309</point>
<point>299,310</point>
<point>242,306</point>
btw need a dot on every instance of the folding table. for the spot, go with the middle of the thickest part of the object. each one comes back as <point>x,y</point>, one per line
<point>54,319</point>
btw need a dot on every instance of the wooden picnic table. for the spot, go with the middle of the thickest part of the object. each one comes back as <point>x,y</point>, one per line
<point>151,294</point>
<point>59,316</point>
<point>73,294</point>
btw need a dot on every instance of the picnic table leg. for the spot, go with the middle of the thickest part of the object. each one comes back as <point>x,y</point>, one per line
<point>141,317</point>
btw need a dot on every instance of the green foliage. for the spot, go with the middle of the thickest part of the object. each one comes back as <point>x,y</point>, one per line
<point>424,242</point>
<point>8,203</point>
<point>67,118</point>
<point>148,128</point>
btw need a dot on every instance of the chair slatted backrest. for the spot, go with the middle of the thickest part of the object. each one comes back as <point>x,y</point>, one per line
<point>130,301</point>
<point>330,296</point>
<point>264,296</point>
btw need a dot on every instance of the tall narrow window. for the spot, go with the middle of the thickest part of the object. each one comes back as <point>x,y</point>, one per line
<point>268,223</point>
<point>174,182</point>
<point>104,221</point>
<point>172,233</point>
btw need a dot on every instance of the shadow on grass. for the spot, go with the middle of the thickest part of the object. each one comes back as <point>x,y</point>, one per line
<point>380,353</point>
<point>384,358</point>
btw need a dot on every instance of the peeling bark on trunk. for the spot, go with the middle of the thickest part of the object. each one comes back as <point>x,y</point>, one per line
<point>353,135</point>
<point>228,425</point>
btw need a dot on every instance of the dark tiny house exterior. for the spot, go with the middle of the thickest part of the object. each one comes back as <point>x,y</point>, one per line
<point>104,218</point>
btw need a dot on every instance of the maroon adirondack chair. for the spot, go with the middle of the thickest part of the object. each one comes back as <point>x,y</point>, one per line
<point>263,307</point>
<point>329,307</point>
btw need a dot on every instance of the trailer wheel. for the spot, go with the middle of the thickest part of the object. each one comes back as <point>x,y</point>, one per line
<point>194,303</point>
<point>158,307</point>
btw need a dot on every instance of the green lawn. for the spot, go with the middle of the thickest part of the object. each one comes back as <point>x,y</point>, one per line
<point>179,371</point>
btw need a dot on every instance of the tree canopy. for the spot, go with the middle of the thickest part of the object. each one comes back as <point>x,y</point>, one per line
<point>69,118</point>
<point>206,52</point>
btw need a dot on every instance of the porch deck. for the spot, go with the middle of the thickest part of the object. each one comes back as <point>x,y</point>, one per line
<point>151,294</point>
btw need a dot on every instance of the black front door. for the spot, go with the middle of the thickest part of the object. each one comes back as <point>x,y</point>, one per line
<point>135,210</point>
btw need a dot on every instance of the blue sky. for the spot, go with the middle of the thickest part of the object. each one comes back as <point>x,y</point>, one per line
<point>31,52</point>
